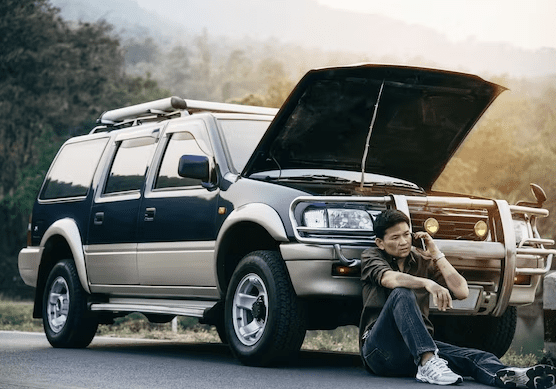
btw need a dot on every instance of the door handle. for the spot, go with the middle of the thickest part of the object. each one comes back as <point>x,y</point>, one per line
<point>149,214</point>
<point>99,218</point>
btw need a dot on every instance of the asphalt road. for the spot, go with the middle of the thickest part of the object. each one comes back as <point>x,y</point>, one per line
<point>28,361</point>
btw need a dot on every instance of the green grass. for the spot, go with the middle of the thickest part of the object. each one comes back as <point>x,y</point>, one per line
<point>17,316</point>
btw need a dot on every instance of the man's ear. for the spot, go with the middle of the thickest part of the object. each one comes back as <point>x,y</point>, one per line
<point>379,243</point>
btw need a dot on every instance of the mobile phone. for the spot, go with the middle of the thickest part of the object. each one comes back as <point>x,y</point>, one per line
<point>418,242</point>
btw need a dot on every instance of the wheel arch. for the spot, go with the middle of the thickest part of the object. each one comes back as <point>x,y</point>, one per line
<point>62,240</point>
<point>248,228</point>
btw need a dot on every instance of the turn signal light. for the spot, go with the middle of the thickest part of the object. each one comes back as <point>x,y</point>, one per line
<point>345,271</point>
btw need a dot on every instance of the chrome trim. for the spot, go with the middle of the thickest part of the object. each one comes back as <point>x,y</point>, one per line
<point>346,261</point>
<point>402,205</point>
<point>529,210</point>
<point>168,307</point>
<point>508,266</point>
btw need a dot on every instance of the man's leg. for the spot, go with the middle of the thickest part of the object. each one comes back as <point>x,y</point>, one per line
<point>480,365</point>
<point>486,368</point>
<point>399,337</point>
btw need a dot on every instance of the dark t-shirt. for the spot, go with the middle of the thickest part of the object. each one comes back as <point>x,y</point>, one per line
<point>374,262</point>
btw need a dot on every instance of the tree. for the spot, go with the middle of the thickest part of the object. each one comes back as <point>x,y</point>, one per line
<point>55,80</point>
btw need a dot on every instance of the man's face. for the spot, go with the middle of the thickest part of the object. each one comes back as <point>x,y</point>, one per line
<point>397,240</point>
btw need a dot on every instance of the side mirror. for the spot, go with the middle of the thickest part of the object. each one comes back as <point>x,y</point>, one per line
<point>194,166</point>
<point>539,194</point>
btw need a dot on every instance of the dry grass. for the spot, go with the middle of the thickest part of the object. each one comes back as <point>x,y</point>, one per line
<point>17,316</point>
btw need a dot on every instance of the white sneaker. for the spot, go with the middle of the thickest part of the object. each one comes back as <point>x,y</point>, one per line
<point>538,377</point>
<point>436,371</point>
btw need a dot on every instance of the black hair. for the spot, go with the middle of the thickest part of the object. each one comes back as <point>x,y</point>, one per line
<point>386,219</point>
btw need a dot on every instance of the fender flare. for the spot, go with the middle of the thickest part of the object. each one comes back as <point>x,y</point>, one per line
<point>67,228</point>
<point>259,213</point>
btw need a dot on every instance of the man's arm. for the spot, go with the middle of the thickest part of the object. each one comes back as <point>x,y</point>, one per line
<point>441,296</point>
<point>454,281</point>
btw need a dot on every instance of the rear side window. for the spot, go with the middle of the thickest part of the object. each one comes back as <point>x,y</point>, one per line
<point>72,172</point>
<point>129,167</point>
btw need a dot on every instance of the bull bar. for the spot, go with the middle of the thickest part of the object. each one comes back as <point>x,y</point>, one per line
<point>506,250</point>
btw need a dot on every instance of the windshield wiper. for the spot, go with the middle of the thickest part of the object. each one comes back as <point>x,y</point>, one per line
<point>313,177</point>
<point>395,184</point>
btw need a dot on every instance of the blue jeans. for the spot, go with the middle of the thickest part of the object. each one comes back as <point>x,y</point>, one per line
<point>399,337</point>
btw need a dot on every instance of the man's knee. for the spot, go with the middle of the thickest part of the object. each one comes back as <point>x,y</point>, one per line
<point>402,293</point>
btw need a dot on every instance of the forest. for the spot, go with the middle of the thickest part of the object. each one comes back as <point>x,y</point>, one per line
<point>57,77</point>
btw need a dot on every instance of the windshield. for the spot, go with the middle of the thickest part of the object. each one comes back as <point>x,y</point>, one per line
<point>242,137</point>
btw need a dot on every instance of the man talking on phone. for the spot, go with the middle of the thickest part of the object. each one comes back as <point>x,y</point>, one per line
<point>396,333</point>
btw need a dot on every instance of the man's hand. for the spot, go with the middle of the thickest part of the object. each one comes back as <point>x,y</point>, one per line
<point>431,250</point>
<point>440,296</point>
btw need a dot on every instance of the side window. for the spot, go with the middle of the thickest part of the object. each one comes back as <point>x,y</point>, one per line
<point>129,166</point>
<point>73,170</point>
<point>180,143</point>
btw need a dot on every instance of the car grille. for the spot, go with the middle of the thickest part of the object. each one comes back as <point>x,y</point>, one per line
<point>454,223</point>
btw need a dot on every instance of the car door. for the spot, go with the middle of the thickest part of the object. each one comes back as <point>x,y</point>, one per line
<point>177,230</point>
<point>112,242</point>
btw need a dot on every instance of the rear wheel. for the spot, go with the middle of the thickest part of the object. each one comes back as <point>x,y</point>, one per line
<point>66,320</point>
<point>264,324</point>
<point>493,334</point>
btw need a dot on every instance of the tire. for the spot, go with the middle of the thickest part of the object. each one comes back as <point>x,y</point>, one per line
<point>493,334</point>
<point>66,319</point>
<point>263,320</point>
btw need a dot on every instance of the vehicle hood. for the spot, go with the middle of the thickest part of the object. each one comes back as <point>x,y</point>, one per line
<point>422,117</point>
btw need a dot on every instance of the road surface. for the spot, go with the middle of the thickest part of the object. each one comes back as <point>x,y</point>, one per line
<point>28,361</point>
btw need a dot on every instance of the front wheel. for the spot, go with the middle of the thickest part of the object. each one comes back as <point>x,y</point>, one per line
<point>66,320</point>
<point>263,320</point>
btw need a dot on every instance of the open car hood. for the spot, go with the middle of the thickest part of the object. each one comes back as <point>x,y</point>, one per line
<point>422,117</point>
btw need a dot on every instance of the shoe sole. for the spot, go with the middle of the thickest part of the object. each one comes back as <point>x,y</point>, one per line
<point>458,381</point>
<point>540,377</point>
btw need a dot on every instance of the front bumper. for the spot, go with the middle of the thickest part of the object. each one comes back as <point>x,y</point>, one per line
<point>310,270</point>
<point>28,263</point>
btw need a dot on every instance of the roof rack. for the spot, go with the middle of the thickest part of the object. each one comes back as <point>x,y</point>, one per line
<point>167,108</point>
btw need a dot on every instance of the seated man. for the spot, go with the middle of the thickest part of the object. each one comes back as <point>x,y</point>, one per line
<point>396,332</point>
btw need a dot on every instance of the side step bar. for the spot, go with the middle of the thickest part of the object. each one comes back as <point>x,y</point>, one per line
<point>167,307</point>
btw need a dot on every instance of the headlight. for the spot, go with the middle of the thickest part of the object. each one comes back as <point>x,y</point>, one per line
<point>431,226</point>
<point>481,229</point>
<point>337,218</point>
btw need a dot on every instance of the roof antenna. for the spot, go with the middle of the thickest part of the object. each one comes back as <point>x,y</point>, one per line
<point>364,161</point>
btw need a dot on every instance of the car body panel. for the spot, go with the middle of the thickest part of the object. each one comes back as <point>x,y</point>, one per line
<point>422,116</point>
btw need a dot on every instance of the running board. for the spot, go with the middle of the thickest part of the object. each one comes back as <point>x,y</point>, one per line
<point>165,307</point>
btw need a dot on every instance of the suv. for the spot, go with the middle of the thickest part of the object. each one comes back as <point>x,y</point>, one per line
<point>254,219</point>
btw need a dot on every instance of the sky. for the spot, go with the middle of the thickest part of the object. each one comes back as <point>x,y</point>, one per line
<point>528,24</point>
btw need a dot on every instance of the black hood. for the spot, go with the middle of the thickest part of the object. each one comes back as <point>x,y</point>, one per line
<point>422,117</point>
